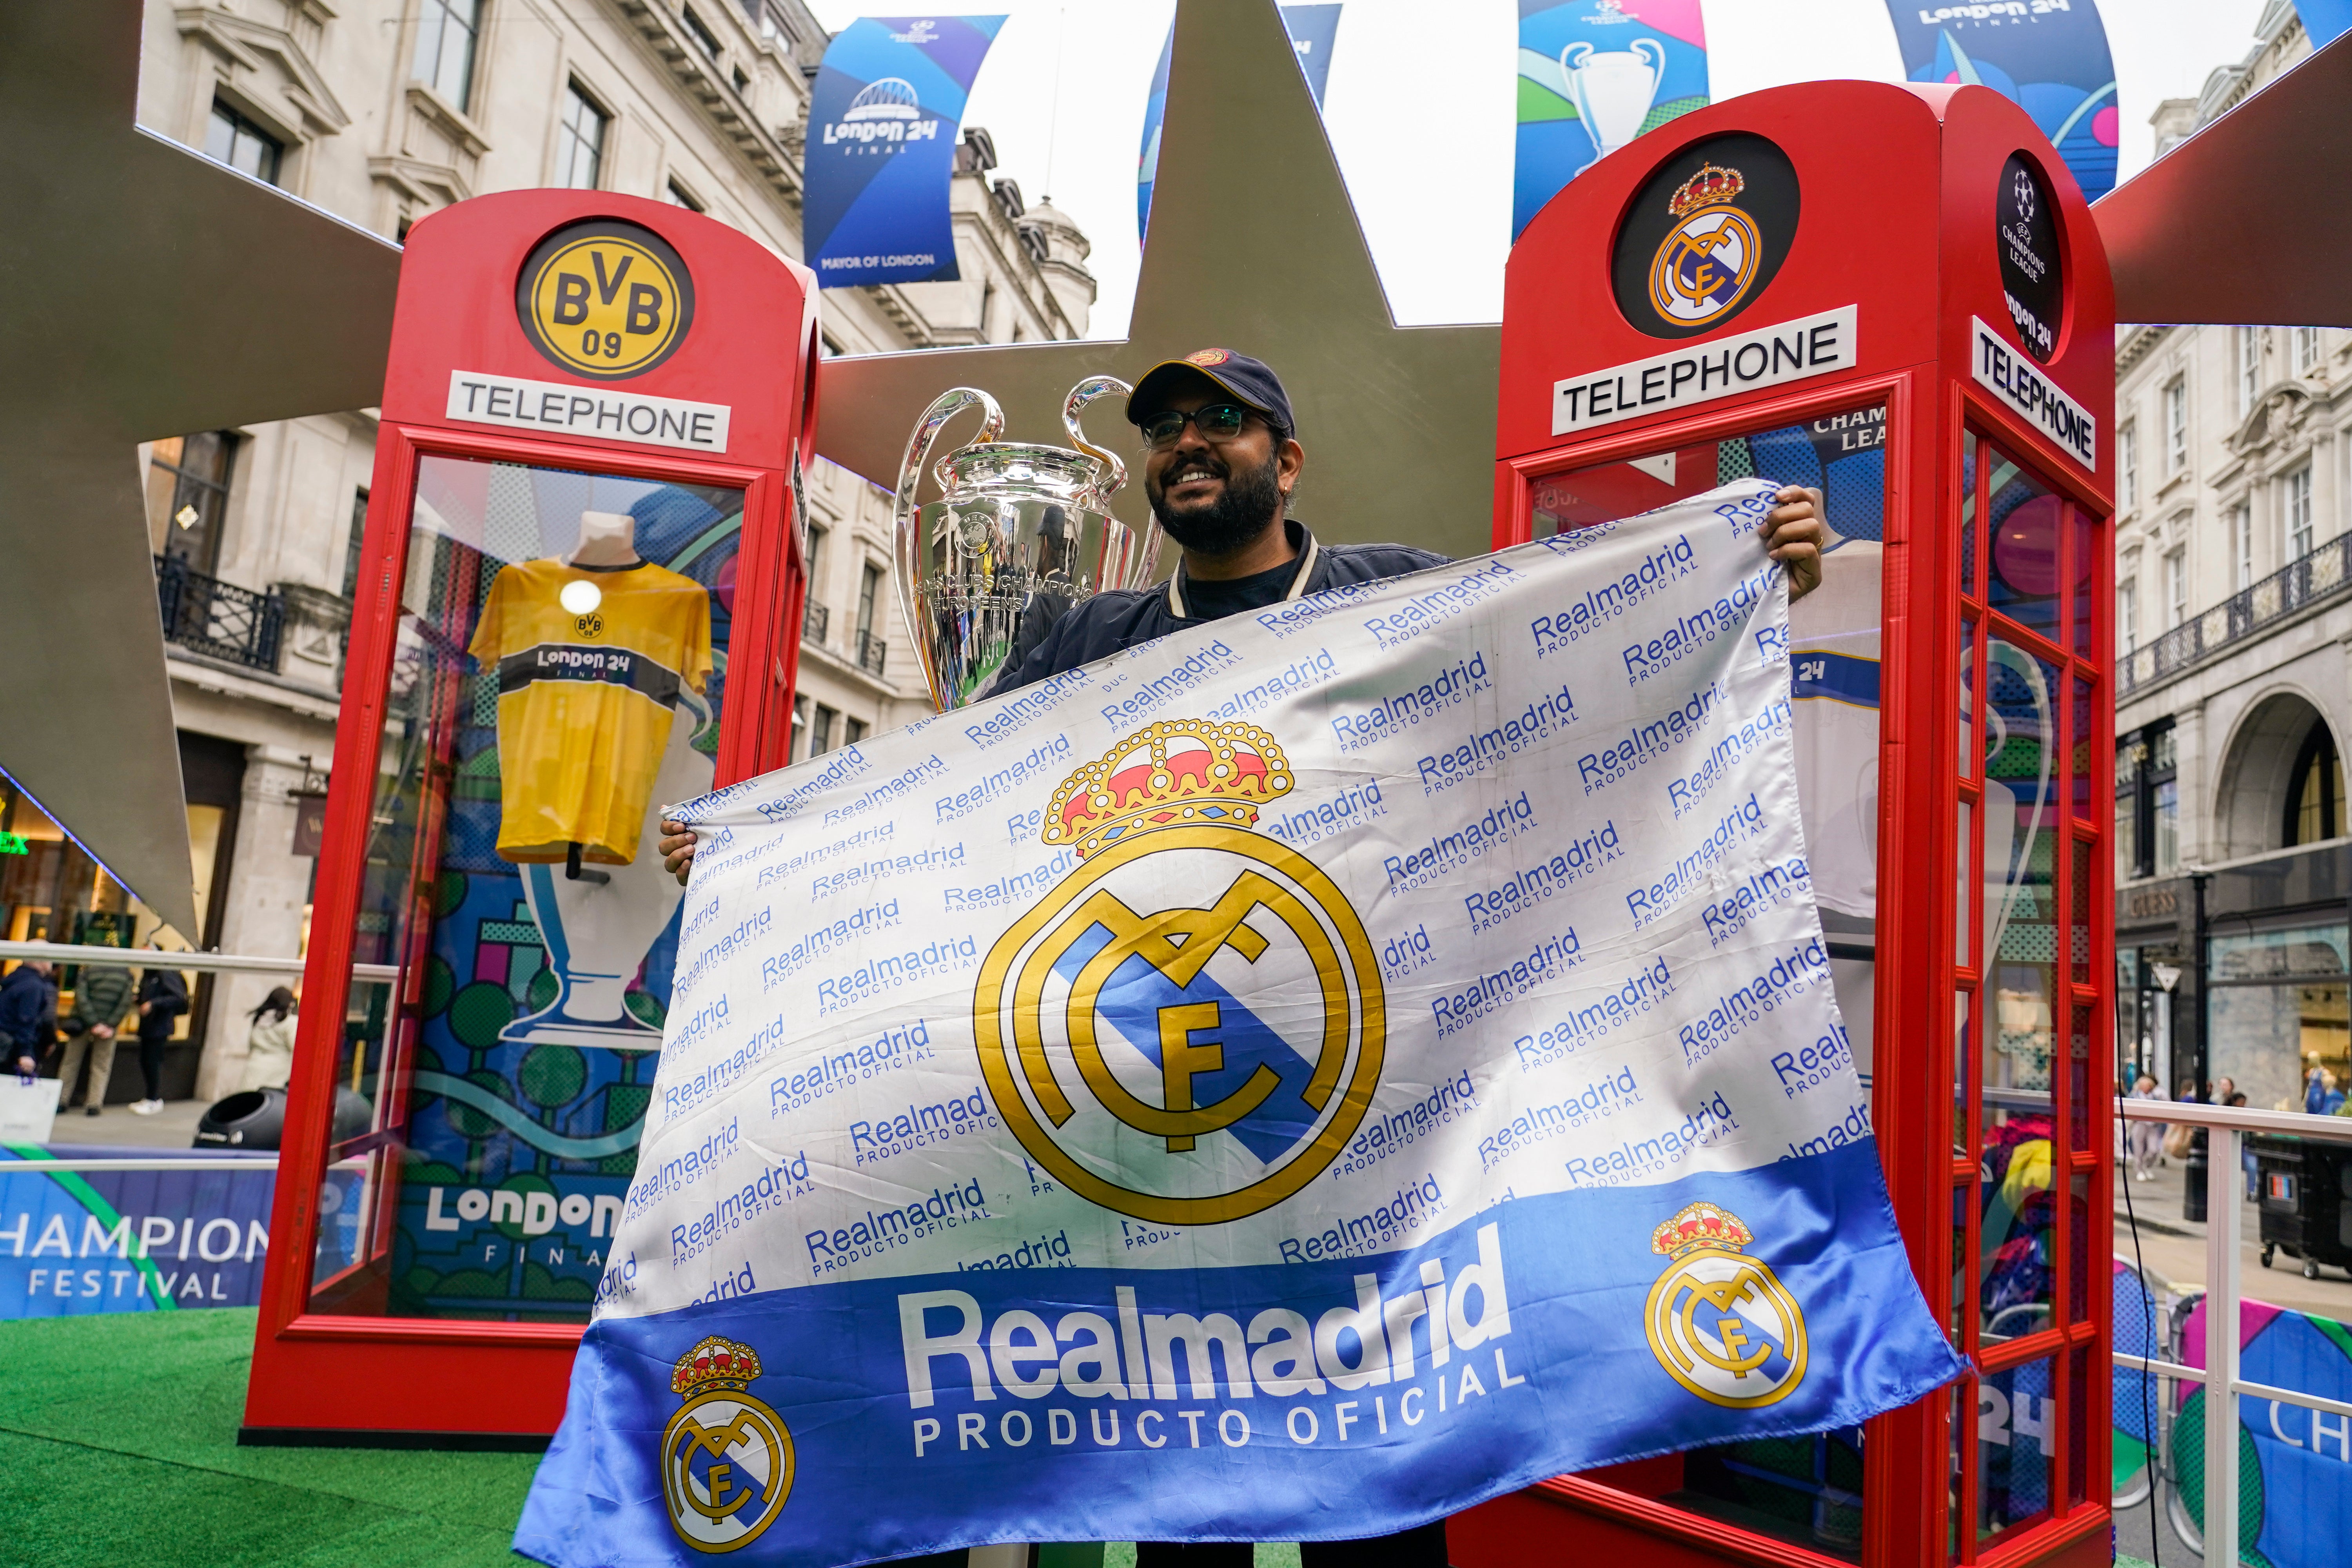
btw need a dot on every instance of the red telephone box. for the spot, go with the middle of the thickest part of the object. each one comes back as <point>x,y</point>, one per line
<point>579,600</point>
<point>1897,296</point>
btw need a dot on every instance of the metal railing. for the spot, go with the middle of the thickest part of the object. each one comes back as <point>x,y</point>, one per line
<point>871,651</point>
<point>219,618</point>
<point>2322,575</point>
<point>2225,1228</point>
<point>815,620</point>
<point>164,958</point>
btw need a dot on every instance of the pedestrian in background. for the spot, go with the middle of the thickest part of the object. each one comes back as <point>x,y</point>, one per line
<point>269,1044</point>
<point>25,999</point>
<point>163,996</point>
<point>2146,1137</point>
<point>102,998</point>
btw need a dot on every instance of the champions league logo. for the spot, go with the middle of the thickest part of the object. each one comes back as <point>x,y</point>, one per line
<point>1709,259</point>
<point>725,1458</point>
<point>1110,1031</point>
<point>1718,1320</point>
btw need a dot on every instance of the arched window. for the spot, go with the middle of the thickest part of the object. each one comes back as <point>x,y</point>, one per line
<point>2314,805</point>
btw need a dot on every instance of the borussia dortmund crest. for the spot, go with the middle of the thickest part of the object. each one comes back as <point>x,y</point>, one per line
<point>725,1458</point>
<point>1113,1031</point>
<point>1718,1320</point>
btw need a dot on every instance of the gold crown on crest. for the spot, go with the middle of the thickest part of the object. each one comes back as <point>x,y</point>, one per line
<point>1699,1224</point>
<point>715,1363</point>
<point>1709,187</point>
<point>1186,772</point>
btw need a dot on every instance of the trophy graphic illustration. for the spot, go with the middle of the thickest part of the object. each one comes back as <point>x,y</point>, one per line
<point>1613,90</point>
<point>1018,531</point>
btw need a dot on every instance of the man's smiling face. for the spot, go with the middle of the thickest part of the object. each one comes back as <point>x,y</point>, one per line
<point>1192,475</point>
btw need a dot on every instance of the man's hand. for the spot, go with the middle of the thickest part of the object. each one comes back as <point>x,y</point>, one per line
<point>677,841</point>
<point>1794,534</point>
<point>103,1031</point>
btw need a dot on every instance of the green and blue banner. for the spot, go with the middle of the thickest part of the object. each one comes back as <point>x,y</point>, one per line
<point>2295,1463</point>
<point>881,148</point>
<point>2048,56</point>
<point>1594,74</point>
<point>2325,20</point>
<point>99,1240</point>
<point>1313,29</point>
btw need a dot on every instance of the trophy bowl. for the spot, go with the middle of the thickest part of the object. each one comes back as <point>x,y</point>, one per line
<point>1018,535</point>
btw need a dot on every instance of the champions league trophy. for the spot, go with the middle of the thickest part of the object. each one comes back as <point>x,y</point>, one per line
<point>1018,531</point>
<point>1612,91</point>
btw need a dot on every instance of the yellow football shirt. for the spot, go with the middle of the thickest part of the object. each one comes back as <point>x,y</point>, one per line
<point>586,701</point>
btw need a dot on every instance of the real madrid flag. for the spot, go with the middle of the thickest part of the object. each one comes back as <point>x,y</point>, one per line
<point>1292,1079</point>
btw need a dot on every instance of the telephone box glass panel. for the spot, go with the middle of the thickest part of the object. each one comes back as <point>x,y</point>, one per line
<point>562,648</point>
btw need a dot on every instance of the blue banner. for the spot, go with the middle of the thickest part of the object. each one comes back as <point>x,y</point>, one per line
<point>73,1243</point>
<point>881,148</point>
<point>2048,56</point>
<point>1594,74</point>
<point>2325,20</point>
<point>1312,28</point>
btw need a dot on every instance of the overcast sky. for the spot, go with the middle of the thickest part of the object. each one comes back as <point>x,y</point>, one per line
<point>1420,112</point>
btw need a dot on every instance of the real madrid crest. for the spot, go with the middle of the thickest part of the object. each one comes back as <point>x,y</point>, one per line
<point>1719,1322</point>
<point>1705,235</point>
<point>725,1458</point>
<point>1113,1029</point>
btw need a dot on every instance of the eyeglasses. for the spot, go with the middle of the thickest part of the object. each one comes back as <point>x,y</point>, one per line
<point>1218,421</point>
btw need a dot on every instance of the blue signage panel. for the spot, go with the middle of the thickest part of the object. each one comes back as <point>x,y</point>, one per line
<point>2048,56</point>
<point>881,147</point>
<point>76,1242</point>
<point>1594,74</point>
<point>1312,28</point>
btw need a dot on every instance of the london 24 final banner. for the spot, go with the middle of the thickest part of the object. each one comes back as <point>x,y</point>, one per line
<point>1294,1079</point>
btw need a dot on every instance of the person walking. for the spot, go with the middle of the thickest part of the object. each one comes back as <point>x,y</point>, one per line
<point>25,997</point>
<point>2146,1137</point>
<point>102,998</point>
<point>163,996</point>
<point>269,1044</point>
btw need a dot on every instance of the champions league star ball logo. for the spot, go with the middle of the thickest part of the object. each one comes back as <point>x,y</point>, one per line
<point>1111,1029</point>
<point>1709,259</point>
<point>1718,1320</point>
<point>725,1458</point>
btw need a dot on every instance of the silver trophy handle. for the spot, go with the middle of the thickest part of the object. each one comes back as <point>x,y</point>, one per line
<point>1085,392</point>
<point>907,508</point>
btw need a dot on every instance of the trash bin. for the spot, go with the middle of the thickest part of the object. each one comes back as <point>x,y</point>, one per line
<point>2304,1191</point>
<point>256,1118</point>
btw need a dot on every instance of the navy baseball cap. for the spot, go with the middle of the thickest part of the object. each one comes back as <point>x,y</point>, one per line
<point>1249,380</point>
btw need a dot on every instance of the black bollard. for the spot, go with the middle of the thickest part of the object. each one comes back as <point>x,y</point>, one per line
<point>2192,1202</point>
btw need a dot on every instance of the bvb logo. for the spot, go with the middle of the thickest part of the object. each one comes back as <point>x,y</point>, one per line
<point>1707,260</point>
<point>1111,1032</point>
<point>605,298</point>
<point>725,1458</point>
<point>1718,1320</point>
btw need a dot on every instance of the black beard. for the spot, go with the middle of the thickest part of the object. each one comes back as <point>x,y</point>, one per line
<point>1251,503</point>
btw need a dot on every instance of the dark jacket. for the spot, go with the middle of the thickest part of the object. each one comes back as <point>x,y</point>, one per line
<point>169,992</point>
<point>25,996</point>
<point>102,993</point>
<point>1120,618</point>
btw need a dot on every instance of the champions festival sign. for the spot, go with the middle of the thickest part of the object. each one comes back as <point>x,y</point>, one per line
<point>1291,1080</point>
<point>881,147</point>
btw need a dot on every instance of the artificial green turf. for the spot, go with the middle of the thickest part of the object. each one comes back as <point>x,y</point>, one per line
<point>118,1444</point>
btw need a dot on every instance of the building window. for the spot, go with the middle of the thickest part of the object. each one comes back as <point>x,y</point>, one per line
<point>2131,759</point>
<point>2163,803</point>
<point>800,728</point>
<point>2296,513</point>
<point>579,144</point>
<point>869,584</point>
<point>355,545</point>
<point>2176,587</point>
<point>2306,349</point>
<point>2127,468</point>
<point>2176,427</point>
<point>2315,806</point>
<point>2148,804</point>
<point>743,82</point>
<point>821,730</point>
<point>2250,368</point>
<point>855,732</point>
<point>2242,541</point>
<point>678,196</point>
<point>187,496</point>
<point>2127,616</point>
<point>446,35</point>
<point>700,31</point>
<point>234,140</point>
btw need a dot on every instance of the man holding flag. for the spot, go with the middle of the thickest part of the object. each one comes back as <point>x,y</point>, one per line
<point>1221,462</point>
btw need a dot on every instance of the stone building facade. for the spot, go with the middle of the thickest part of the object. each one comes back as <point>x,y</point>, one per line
<point>2234,612</point>
<point>379,112</point>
